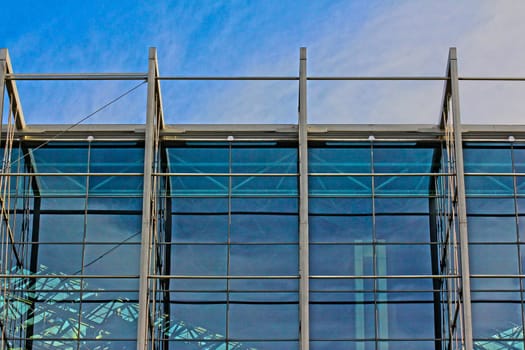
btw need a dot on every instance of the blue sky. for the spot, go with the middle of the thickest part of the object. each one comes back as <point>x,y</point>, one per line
<point>263,38</point>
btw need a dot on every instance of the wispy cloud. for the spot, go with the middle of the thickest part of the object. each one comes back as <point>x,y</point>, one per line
<point>408,38</point>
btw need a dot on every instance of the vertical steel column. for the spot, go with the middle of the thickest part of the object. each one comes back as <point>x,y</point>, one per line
<point>142,327</point>
<point>304,270</point>
<point>461,202</point>
<point>3,71</point>
<point>10,86</point>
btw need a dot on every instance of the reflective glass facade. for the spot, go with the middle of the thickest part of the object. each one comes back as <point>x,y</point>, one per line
<point>260,237</point>
<point>384,266</point>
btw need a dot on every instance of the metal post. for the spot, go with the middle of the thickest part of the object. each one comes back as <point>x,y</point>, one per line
<point>142,327</point>
<point>461,202</point>
<point>10,86</point>
<point>304,270</point>
<point>3,71</point>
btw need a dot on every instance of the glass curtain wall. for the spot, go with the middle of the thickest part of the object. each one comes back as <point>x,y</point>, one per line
<point>370,246</point>
<point>226,253</point>
<point>73,265</point>
<point>496,211</point>
<point>230,251</point>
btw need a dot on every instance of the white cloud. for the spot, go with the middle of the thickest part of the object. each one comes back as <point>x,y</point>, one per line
<point>397,38</point>
<point>408,38</point>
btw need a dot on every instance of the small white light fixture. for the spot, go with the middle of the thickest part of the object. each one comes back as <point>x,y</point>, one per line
<point>230,138</point>
<point>511,138</point>
<point>371,138</point>
<point>90,138</point>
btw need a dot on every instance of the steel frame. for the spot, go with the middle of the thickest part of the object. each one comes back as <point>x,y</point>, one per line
<point>155,130</point>
<point>304,270</point>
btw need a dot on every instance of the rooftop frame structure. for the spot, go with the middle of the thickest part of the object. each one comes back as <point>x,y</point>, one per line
<point>448,130</point>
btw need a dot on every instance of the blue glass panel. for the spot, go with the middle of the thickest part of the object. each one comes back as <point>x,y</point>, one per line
<point>199,185</point>
<point>64,203</point>
<point>402,205</point>
<point>111,259</point>
<point>199,205</point>
<point>405,284</point>
<point>117,284</point>
<point>341,284</point>
<point>260,260</point>
<point>342,259</point>
<point>198,260</point>
<point>264,228</point>
<point>114,228</point>
<point>115,203</point>
<point>412,293</point>
<point>265,345</point>
<point>408,159</point>
<point>116,159</point>
<point>62,185</point>
<point>183,284</point>
<point>494,259</point>
<point>253,284</point>
<point>520,205</point>
<point>406,320</point>
<point>189,314</point>
<point>341,321</point>
<point>402,185</point>
<point>487,158</point>
<point>402,228</point>
<point>496,283</point>
<point>485,185</point>
<point>60,159</point>
<point>264,185</point>
<point>331,206</point>
<point>56,320</point>
<point>265,205</point>
<point>60,258</point>
<point>264,160</point>
<point>61,228</point>
<point>199,228</point>
<point>339,160</point>
<point>522,257</point>
<point>340,229</point>
<point>492,229</point>
<point>520,185</point>
<point>191,297</point>
<point>20,230</point>
<point>277,321</point>
<point>198,160</point>
<point>267,297</point>
<point>52,290</point>
<point>358,296</point>
<point>115,319</point>
<point>340,185</point>
<point>404,259</point>
<point>407,345</point>
<point>492,206</point>
<point>55,344</point>
<point>183,344</point>
<point>116,185</point>
<point>519,158</point>
<point>342,345</point>
<point>491,319</point>
<point>108,344</point>
<point>496,296</point>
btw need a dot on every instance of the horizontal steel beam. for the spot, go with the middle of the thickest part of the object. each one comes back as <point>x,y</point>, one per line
<point>224,78</point>
<point>77,76</point>
<point>143,76</point>
<point>383,78</point>
<point>493,78</point>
